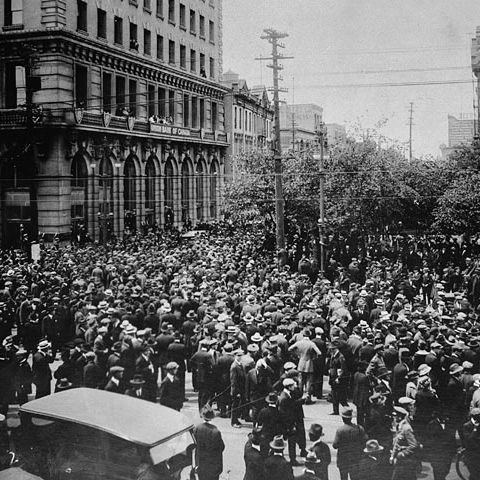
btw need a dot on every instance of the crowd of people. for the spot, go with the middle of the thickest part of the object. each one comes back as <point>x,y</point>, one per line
<point>392,324</point>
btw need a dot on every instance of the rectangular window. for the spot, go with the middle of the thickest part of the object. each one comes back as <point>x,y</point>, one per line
<point>120,95</point>
<point>159,8</point>
<point>101,23</point>
<point>147,42</point>
<point>171,52</point>
<point>194,112</point>
<point>193,21</point>
<point>147,5</point>
<point>107,92</point>
<point>171,106</point>
<point>214,115</point>
<point>151,101</point>
<point>160,54</point>
<point>235,110</point>
<point>118,30</point>
<point>13,12</point>
<point>212,67</point>
<point>202,26</point>
<point>193,60</point>
<point>162,98</point>
<point>183,19</point>
<point>14,85</point>
<point>81,15</point>
<point>202,113</point>
<point>81,86</point>
<point>203,73</point>
<point>171,11</point>
<point>186,110</point>
<point>211,31</point>
<point>133,37</point>
<point>183,56</point>
<point>132,97</point>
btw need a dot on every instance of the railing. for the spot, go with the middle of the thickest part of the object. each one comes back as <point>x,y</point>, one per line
<point>13,117</point>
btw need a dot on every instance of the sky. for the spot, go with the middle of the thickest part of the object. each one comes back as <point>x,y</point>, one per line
<point>339,45</point>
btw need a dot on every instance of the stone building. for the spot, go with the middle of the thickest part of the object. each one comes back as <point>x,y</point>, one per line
<point>248,118</point>
<point>111,116</point>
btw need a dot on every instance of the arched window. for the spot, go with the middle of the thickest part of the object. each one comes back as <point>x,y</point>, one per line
<point>168,183</point>
<point>106,184</point>
<point>78,197</point>
<point>186,195</point>
<point>129,177</point>
<point>200,187</point>
<point>150,191</point>
<point>78,171</point>
<point>213,189</point>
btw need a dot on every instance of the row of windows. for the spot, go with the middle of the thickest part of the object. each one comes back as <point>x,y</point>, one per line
<point>247,121</point>
<point>121,96</point>
<point>82,21</point>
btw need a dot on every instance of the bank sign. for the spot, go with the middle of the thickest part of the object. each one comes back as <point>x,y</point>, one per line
<point>169,130</point>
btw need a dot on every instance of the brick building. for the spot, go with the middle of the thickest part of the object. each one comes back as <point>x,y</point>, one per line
<point>111,115</point>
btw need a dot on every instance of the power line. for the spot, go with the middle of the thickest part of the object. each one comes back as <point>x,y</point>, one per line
<point>389,84</point>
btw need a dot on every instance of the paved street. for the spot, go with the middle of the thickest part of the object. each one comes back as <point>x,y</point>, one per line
<point>235,438</point>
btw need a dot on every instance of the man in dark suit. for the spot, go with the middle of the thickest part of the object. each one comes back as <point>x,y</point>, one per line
<point>254,458</point>
<point>237,387</point>
<point>338,377</point>
<point>349,441</point>
<point>115,383</point>
<point>42,374</point>
<point>171,389</point>
<point>270,418</point>
<point>93,375</point>
<point>276,464</point>
<point>136,388</point>
<point>222,379</point>
<point>288,408</point>
<point>470,436</point>
<point>210,447</point>
<point>144,367</point>
<point>370,467</point>
<point>202,370</point>
<point>399,375</point>
<point>23,377</point>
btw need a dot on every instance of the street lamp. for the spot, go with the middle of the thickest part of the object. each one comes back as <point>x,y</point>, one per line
<point>319,156</point>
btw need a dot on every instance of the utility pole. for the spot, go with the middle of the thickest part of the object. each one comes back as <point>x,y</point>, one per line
<point>273,38</point>
<point>410,124</point>
<point>293,114</point>
<point>320,132</point>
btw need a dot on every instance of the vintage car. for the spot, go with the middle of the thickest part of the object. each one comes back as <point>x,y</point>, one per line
<point>86,434</point>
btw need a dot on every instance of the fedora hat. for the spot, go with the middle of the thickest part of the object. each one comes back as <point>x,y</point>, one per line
<point>64,384</point>
<point>271,398</point>
<point>137,380</point>
<point>278,443</point>
<point>372,446</point>
<point>316,430</point>
<point>455,368</point>
<point>256,337</point>
<point>347,413</point>
<point>424,369</point>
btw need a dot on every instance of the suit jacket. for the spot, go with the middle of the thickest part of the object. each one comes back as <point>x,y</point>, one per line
<point>350,441</point>
<point>361,389</point>
<point>93,376</point>
<point>41,369</point>
<point>132,392</point>
<point>404,444</point>
<point>369,468</point>
<point>171,393</point>
<point>202,363</point>
<point>271,420</point>
<point>278,468</point>
<point>113,387</point>
<point>254,463</point>
<point>307,476</point>
<point>237,379</point>
<point>287,407</point>
<point>307,351</point>
<point>209,451</point>
<point>399,380</point>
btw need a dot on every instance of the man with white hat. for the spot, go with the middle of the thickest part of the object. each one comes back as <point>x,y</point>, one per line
<point>42,374</point>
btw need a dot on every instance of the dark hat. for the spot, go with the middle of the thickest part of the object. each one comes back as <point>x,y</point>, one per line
<point>256,435</point>
<point>137,380</point>
<point>207,412</point>
<point>278,443</point>
<point>347,413</point>
<point>64,384</point>
<point>316,430</point>
<point>271,398</point>
<point>117,346</point>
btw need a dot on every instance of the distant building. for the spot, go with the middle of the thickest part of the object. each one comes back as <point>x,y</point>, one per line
<point>475,55</point>
<point>335,133</point>
<point>248,118</point>
<point>298,124</point>
<point>461,130</point>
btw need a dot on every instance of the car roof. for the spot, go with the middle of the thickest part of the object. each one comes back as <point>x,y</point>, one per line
<point>133,419</point>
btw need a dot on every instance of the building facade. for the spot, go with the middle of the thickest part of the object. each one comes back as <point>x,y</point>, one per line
<point>111,116</point>
<point>248,118</point>
<point>475,55</point>
<point>298,125</point>
<point>336,133</point>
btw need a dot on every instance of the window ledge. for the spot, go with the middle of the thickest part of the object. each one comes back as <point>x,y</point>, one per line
<point>202,37</point>
<point>9,28</point>
<point>147,10</point>
<point>118,44</point>
<point>133,2</point>
<point>193,32</point>
<point>102,39</point>
<point>212,42</point>
<point>183,27</point>
<point>161,17</point>
<point>83,32</point>
<point>171,22</point>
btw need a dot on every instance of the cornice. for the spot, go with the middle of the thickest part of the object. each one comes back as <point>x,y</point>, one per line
<point>81,47</point>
